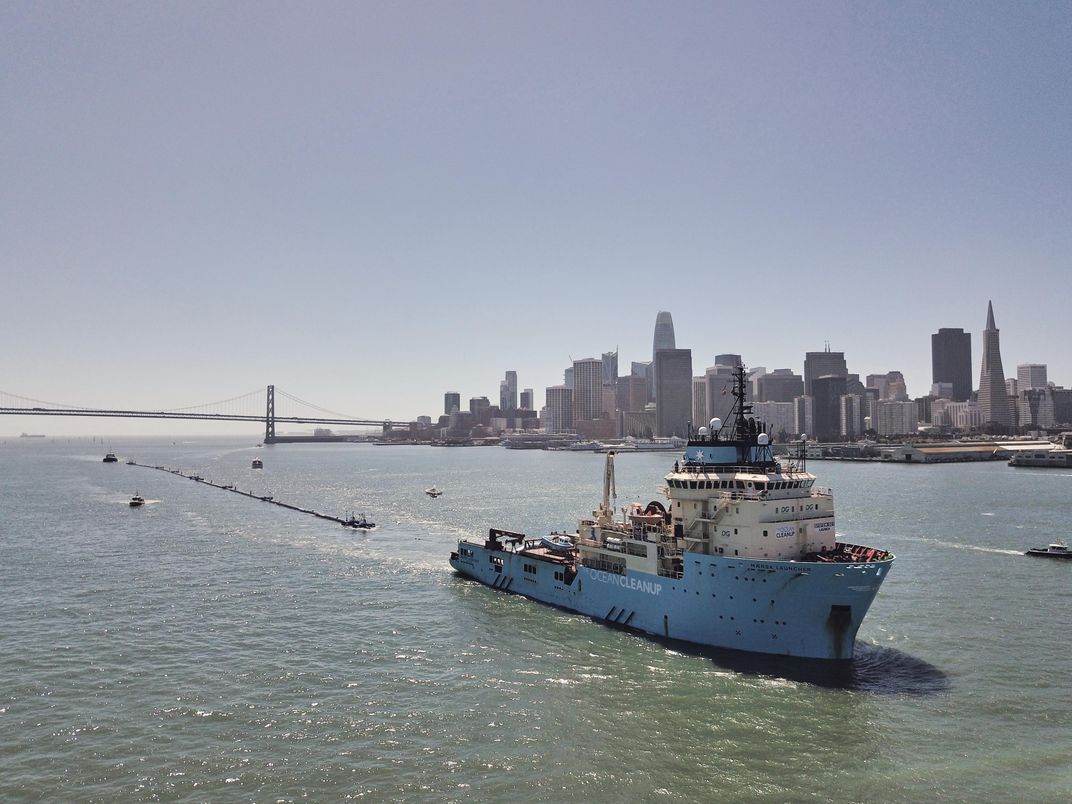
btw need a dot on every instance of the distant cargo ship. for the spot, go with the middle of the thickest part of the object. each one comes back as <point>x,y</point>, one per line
<point>32,435</point>
<point>745,557</point>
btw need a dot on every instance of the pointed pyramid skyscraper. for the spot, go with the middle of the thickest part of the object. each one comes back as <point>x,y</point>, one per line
<point>993,398</point>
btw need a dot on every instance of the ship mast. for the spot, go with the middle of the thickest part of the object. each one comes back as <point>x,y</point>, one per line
<point>606,509</point>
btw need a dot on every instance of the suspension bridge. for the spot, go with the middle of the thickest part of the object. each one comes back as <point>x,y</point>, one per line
<point>256,406</point>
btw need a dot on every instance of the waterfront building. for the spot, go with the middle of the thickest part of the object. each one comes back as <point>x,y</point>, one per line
<point>527,399</point>
<point>823,364</point>
<point>587,389</point>
<point>731,360</point>
<point>1012,387</point>
<point>559,405</point>
<point>804,415</point>
<point>424,421</point>
<point>780,385</point>
<point>452,401</point>
<point>827,393</point>
<point>895,418</point>
<point>1031,375</point>
<point>993,397</point>
<point>508,392</point>
<point>951,361</point>
<point>699,402</point>
<point>719,391</point>
<point>778,417</point>
<point>567,377</point>
<point>673,392</point>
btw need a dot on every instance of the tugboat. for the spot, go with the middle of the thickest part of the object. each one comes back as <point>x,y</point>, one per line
<point>137,501</point>
<point>433,492</point>
<point>360,523</point>
<point>1056,550</point>
<point>744,556</point>
<point>110,458</point>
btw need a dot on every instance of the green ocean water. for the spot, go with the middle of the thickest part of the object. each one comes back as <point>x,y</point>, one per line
<point>209,647</point>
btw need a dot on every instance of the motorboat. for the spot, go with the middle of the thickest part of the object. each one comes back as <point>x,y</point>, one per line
<point>110,458</point>
<point>358,522</point>
<point>1050,551</point>
<point>433,492</point>
<point>137,501</point>
<point>257,464</point>
<point>559,542</point>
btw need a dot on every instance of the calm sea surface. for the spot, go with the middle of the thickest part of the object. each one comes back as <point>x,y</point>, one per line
<point>213,647</point>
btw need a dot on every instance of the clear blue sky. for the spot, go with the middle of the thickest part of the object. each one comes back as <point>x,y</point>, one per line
<point>368,204</point>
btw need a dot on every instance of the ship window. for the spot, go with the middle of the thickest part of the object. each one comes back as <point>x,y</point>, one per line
<point>740,484</point>
<point>692,484</point>
<point>761,486</point>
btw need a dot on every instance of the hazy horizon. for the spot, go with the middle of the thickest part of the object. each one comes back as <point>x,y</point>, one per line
<point>369,205</point>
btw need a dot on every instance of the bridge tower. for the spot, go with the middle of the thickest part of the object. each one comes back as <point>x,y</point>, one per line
<point>269,417</point>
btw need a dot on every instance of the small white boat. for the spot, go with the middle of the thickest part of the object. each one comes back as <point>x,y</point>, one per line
<point>137,501</point>
<point>559,542</point>
<point>433,492</point>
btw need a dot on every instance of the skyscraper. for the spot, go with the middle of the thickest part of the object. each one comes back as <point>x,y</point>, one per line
<point>1031,375</point>
<point>827,392</point>
<point>993,399</point>
<point>673,391</point>
<point>587,389</point>
<point>951,361</point>
<point>452,401</point>
<point>527,397</point>
<point>664,333</point>
<point>720,397</point>
<point>508,392</point>
<point>559,409</point>
<point>823,364</point>
<point>781,385</point>
<point>610,368</point>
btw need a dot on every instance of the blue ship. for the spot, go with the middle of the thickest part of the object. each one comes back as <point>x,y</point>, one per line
<point>743,557</point>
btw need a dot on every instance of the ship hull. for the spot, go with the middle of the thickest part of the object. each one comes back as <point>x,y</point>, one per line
<point>787,608</point>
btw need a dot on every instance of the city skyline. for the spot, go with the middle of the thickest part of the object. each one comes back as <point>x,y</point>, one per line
<point>370,206</point>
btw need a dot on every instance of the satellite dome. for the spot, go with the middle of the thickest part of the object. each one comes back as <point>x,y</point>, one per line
<point>803,436</point>
<point>703,432</point>
<point>763,439</point>
<point>716,424</point>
